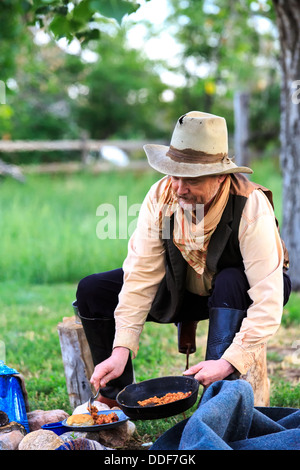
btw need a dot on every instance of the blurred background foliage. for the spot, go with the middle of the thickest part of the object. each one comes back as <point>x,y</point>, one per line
<point>112,90</point>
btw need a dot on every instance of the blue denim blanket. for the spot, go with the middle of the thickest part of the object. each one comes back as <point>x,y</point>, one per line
<point>226,419</point>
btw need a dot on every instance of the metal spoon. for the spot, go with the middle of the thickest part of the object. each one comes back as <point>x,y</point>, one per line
<point>91,401</point>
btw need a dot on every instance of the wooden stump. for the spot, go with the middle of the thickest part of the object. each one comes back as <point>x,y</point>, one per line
<point>77,360</point>
<point>257,376</point>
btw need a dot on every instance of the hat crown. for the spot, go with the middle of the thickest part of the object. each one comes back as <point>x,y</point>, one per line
<point>202,132</point>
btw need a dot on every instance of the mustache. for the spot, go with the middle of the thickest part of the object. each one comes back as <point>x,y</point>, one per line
<point>185,198</point>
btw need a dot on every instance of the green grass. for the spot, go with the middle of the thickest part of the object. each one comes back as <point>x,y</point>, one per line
<point>48,225</point>
<point>48,243</point>
<point>266,172</point>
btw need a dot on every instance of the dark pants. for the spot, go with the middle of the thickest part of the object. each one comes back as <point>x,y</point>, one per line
<point>97,298</point>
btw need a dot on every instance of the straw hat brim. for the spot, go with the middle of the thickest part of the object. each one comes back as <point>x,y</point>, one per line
<point>160,162</point>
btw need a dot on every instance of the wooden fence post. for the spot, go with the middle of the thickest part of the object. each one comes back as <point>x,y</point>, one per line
<point>77,360</point>
<point>84,148</point>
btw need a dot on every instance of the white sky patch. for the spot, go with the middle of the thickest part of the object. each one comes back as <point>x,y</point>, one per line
<point>160,47</point>
<point>73,47</point>
<point>41,38</point>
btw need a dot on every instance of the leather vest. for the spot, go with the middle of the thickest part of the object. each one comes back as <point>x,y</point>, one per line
<point>223,251</point>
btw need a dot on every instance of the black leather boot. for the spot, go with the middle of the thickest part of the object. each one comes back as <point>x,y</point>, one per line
<point>224,323</point>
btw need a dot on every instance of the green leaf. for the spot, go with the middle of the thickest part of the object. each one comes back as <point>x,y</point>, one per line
<point>116,9</point>
<point>89,35</point>
<point>82,11</point>
<point>25,6</point>
<point>60,26</point>
<point>41,3</point>
<point>54,2</point>
<point>75,25</point>
<point>60,10</point>
<point>6,111</point>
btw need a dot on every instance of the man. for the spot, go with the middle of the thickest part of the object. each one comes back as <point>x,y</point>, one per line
<point>206,246</point>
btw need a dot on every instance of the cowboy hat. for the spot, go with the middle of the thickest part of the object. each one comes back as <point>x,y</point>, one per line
<point>199,147</point>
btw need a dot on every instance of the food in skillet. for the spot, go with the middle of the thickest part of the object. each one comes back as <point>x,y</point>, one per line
<point>168,398</point>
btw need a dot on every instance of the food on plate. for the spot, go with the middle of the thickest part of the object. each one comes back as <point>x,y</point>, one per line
<point>102,418</point>
<point>92,419</point>
<point>168,398</point>
<point>105,419</point>
<point>80,420</point>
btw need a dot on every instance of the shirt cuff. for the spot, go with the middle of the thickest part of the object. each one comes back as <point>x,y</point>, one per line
<point>241,359</point>
<point>127,338</point>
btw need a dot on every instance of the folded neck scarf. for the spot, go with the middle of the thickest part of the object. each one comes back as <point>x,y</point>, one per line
<point>192,230</point>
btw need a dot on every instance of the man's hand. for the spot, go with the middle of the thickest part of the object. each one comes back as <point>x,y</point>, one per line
<point>111,368</point>
<point>207,372</point>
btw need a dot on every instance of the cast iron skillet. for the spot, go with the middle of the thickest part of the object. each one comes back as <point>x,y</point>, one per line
<point>128,397</point>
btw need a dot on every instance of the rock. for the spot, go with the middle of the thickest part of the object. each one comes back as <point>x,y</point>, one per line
<point>10,440</point>
<point>40,440</point>
<point>4,446</point>
<point>11,435</point>
<point>117,437</point>
<point>37,418</point>
<point>4,419</point>
<point>13,426</point>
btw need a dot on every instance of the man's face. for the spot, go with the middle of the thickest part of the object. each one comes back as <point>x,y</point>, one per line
<point>193,191</point>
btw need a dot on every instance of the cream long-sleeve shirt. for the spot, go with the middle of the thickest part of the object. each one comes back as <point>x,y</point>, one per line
<point>261,249</point>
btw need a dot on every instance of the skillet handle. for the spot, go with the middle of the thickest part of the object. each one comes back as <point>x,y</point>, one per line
<point>189,376</point>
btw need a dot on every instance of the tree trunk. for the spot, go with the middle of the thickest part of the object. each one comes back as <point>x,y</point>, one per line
<point>241,128</point>
<point>288,22</point>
